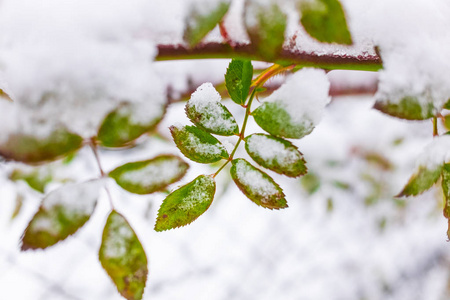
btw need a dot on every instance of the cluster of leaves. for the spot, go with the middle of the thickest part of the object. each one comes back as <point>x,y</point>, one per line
<point>65,210</point>
<point>323,20</point>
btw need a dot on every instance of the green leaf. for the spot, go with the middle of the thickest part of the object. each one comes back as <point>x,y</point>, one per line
<point>257,185</point>
<point>123,257</point>
<point>149,176</point>
<point>311,183</point>
<point>276,120</point>
<point>37,179</point>
<point>266,25</point>
<point>198,145</point>
<point>199,23</point>
<point>238,79</point>
<point>407,108</point>
<point>446,189</point>
<point>186,204</point>
<point>205,111</point>
<point>61,214</point>
<point>325,21</point>
<point>275,154</point>
<point>127,123</point>
<point>423,179</point>
<point>34,149</point>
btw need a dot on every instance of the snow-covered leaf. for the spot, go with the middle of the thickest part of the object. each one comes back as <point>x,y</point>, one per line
<point>198,145</point>
<point>123,257</point>
<point>238,79</point>
<point>201,20</point>
<point>186,204</point>
<point>34,149</point>
<point>61,214</point>
<point>266,24</point>
<point>145,177</point>
<point>37,179</point>
<point>406,108</point>
<point>446,189</point>
<point>325,21</point>
<point>127,123</point>
<point>257,185</point>
<point>296,107</point>
<point>423,179</point>
<point>275,154</point>
<point>205,110</point>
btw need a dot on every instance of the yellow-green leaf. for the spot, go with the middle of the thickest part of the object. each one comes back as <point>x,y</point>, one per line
<point>205,110</point>
<point>408,108</point>
<point>238,79</point>
<point>149,176</point>
<point>422,180</point>
<point>201,20</point>
<point>198,145</point>
<point>35,149</point>
<point>128,122</point>
<point>325,21</point>
<point>123,257</point>
<point>61,214</point>
<point>275,154</point>
<point>257,185</point>
<point>186,204</point>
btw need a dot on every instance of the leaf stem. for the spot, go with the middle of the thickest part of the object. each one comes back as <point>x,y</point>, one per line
<point>241,134</point>
<point>93,145</point>
<point>435,127</point>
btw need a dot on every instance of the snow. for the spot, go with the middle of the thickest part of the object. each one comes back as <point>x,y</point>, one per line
<point>255,180</point>
<point>304,95</point>
<point>436,153</point>
<point>154,174</point>
<point>119,236</point>
<point>205,101</point>
<point>198,193</point>
<point>269,150</point>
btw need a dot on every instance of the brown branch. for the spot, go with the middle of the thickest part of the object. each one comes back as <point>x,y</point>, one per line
<point>286,57</point>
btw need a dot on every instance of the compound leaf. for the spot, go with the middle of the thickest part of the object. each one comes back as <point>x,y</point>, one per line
<point>34,149</point>
<point>149,176</point>
<point>125,124</point>
<point>123,257</point>
<point>238,79</point>
<point>423,179</point>
<point>199,23</point>
<point>325,21</point>
<point>61,214</point>
<point>205,111</point>
<point>275,154</point>
<point>276,120</point>
<point>266,25</point>
<point>198,145</point>
<point>186,204</point>
<point>257,185</point>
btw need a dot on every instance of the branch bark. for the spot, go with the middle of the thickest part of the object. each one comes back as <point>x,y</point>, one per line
<point>286,57</point>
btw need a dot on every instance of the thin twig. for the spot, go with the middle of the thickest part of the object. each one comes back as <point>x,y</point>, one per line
<point>93,145</point>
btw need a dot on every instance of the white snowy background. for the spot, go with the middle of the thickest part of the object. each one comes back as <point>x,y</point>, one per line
<point>336,243</point>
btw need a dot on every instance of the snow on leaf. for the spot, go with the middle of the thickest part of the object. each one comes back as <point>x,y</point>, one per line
<point>296,107</point>
<point>205,110</point>
<point>406,108</point>
<point>325,21</point>
<point>149,176</point>
<point>36,178</point>
<point>422,180</point>
<point>186,204</point>
<point>128,122</point>
<point>275,154</point>
<point>238,79</point>
<point>257,185</point>
<point>201,20</point>
<point>123,257</point>
<point>61,214</point>
<point>266,24</point>
<point>31,149</point>
<point>198,145</point>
